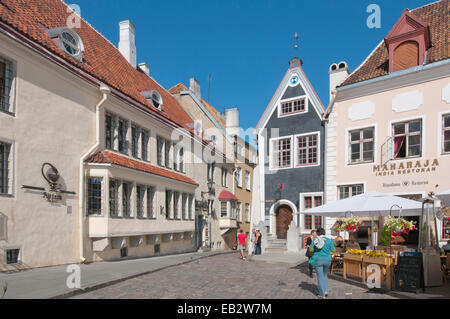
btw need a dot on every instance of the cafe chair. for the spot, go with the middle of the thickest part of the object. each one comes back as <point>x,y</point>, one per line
<point>446,269</point>
<point>337,264</point>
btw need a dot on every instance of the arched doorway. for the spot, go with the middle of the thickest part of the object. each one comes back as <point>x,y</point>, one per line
<point>283,220</point>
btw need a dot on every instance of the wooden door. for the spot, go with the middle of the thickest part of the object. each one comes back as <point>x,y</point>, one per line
<point>284,219</point>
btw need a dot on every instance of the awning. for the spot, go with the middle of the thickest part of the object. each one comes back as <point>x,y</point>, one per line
<point>226,195</point>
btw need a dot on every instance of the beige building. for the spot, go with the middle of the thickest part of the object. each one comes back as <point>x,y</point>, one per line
<point>233,197</point>
<point>96,158</point>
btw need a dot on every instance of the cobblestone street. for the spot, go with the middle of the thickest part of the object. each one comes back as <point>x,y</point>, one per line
<point>228,277</point>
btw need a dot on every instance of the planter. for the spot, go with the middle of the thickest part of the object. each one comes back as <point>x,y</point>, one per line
<point>353,266</point>
<point>386,265</point>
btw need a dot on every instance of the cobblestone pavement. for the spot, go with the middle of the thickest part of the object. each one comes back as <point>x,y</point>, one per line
<point>228,277</point>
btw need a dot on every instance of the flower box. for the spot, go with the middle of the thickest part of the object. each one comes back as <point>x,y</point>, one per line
<point>353,265</point>
<point>378,260</point>
<point>353,257</point>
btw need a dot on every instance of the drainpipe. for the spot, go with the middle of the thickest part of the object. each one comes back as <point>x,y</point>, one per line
<point>105,90</point>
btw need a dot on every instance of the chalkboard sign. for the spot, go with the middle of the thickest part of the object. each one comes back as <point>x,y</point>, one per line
<point>409,274</point>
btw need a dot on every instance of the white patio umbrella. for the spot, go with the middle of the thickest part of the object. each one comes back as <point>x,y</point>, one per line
<point>371,204</point>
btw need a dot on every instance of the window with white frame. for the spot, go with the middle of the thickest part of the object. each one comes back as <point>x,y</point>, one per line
<point>346,191</point>
<point>135,141</point>
<point>176,198</point>
<point>126,199</point>
<point>94,196</point>
<point>122,136</point>
<point>362,145</point>
<point>307,150</point>
<point>167,147</point>
<point>5,161</point>
<point>407,138</point>
<point>6,85</point>
<point>140,193</point>
<point>150,202</point>
<point>224,177</point>
<point>238,175</point>
<point>247,212</point>
<point>308,221</point>
<point>293,106</point>
<point>446,133</point>
<point>145,136</point>
<point>239,211</point>
<point>281,153</point>
<point>178,158</point>
<point>183,206</point>
<point>168,204</point>
<point>190,204</point>
<point>113,198</point>
<point>109,131</point>
<point>247,180</point>
<point>223,209</point>
<point>233,210</point>
<point>160,151</point>
<point>13,256</point>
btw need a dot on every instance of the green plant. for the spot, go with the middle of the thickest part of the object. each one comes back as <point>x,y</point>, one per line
<point>4,290</point>
<point>385,237</point>
<point>351,224</point>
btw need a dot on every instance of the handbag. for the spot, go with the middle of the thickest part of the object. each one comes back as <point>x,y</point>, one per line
<point>309,253</point>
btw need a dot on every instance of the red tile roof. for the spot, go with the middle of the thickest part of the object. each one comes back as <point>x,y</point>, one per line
<point>226,195</point>
<point>101,59</point>
<point>437,16</point>
<point>107,157</point>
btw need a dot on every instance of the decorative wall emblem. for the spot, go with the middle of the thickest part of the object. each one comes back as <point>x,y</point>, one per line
<point>54,193</point>
<point>294,80</point>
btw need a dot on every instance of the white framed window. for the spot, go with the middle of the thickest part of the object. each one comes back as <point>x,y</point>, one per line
<point>94,195</point>
<point>140,196</point>
<point>190,207</point>
<point>109,131</point>
<point>114,197</point>
<point>361,145</point>
<point>126,199</point>
<point>176,199</point>
<point>223,209</point>
<point>7,78</point>
<point>13,255</point>
<point>224,177</point>
<point>122,136</point>
<point>247,212</point>
<point>145,138</point>
<point>238,176</point>
<point>307,201</point>
<point>293,106</point>
<point>168,204</point>
<point>407,139</point>
<point>307,149</point>
<point>346,191</point>
<point>135,136</point>
<point>239,211</point>
<point>247,180</point>
<point>445,134</point>
<point>184,204</point>
<point>281,152</point>
<point>5,168</point>
<point>150,202</point>
<point>160,151</point>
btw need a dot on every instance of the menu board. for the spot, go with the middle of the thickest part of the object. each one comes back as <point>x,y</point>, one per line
<point>409,274</point>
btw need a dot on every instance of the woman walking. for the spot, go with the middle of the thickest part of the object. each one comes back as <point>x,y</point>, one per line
<point>321,260</point>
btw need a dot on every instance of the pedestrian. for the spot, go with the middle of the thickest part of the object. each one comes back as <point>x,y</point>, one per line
<point>258,242</point>
<point>252,241</point>
<point>242,238</point>
<point>321,260</point>
<point>352,243</point>
<point>309,253</point>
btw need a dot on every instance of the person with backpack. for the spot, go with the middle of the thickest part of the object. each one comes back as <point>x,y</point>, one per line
<point>321,260</point>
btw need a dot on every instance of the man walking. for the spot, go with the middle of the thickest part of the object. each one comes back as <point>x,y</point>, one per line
<point>242,238</point>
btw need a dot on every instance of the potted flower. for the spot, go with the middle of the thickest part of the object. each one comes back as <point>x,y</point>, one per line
<point>399,225</point>
<point>351,224</point>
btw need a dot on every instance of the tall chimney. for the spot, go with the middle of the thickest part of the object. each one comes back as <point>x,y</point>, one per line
<point>194,86</point>
<point>232,121</point>
<point>127,44</point>
<point>338,74</point>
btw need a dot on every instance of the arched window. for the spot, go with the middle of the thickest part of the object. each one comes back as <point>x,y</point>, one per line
<point>406,55</point>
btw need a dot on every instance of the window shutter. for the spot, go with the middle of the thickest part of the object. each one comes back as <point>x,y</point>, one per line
<point>406,56</point>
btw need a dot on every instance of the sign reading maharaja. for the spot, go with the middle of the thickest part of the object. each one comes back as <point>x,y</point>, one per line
<point>406,168</point>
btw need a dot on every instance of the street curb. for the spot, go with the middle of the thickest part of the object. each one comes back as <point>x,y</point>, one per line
<point>97,286</point>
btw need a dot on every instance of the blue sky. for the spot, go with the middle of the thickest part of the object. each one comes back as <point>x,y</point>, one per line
<point>245,44</point>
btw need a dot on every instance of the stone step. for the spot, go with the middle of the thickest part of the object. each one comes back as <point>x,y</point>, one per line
<point>275,250</point>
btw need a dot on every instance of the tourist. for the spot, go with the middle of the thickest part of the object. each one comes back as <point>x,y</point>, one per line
<point>258,242</point>
<point>309,253</point>
<point>242,239</point>
<point>352,244</point>
<point>321,260</point>
<point>252,240</point>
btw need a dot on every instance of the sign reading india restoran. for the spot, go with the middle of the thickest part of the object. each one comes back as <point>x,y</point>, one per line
<point>406,168</point>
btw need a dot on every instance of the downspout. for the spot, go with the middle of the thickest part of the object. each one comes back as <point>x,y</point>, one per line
<point>105,90</point>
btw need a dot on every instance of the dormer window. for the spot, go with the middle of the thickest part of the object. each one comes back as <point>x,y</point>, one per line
<point>69,41</point>
<point>154,98</point>
<point>407,43</point>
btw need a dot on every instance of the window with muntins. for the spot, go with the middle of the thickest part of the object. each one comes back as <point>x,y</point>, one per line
<point>144,145</point>
<point>307,150</point>
<point>239,177</point>
<point>293,106</point>
<point>166,154</point>
<point>362,145</point>
<point>160,151</point>
<point>134,141</point>
<point>309,221</point>
<point>346,191</point>
<point>113,198</point>
<point>122,136</point>
<point>223,209</point>
<point>4,168</point>
<point>109,131</point>
<point>94,196</point>
<point>247,212</point>
<point>126,196</point>
<point>168,204</point>
<point>446,133</point>
<point>140,192</point>
<point>176,199</point>
<point>247,180</point>
<point>6,81</point>
<point>407,139</point>
<point>191,201</point>
<point>281,153</point>
<point>12,256</point>
<point>183,206</point>
<point>150,199</point>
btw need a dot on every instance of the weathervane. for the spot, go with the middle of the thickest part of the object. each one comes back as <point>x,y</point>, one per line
<point>296,43</point>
